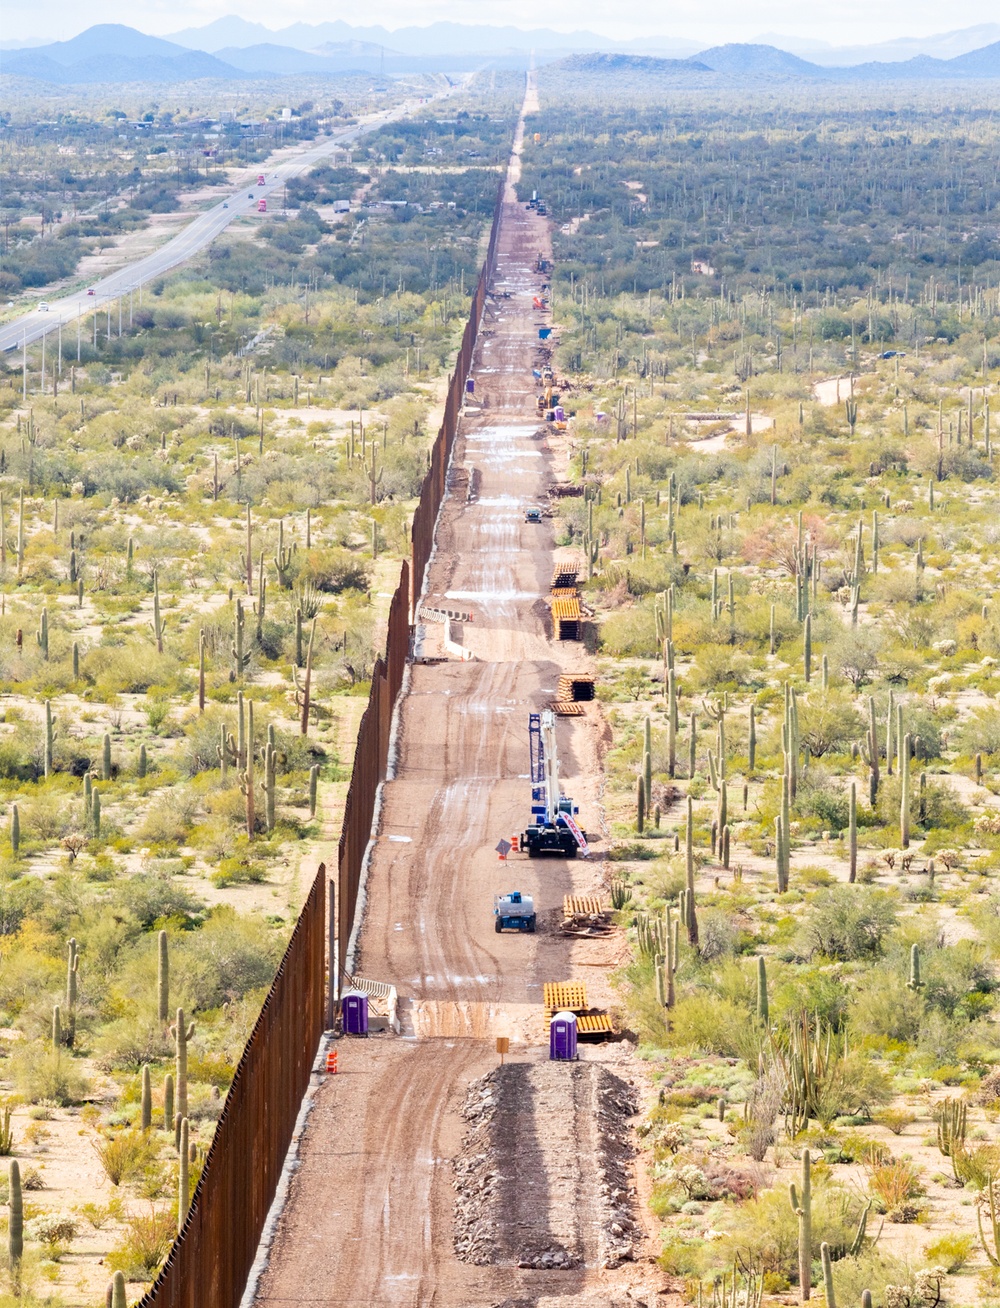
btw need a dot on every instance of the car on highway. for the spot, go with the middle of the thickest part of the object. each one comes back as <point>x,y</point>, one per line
<point>91,291</point>
<point>43,306</point>
<point>225,204</point>
<point>250,195</point>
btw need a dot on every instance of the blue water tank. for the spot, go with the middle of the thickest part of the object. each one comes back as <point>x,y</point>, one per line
<point>562,1036</point>
<point>354,1012</point>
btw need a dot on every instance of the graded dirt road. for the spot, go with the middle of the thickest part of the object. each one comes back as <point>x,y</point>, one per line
<point>370,1217</point>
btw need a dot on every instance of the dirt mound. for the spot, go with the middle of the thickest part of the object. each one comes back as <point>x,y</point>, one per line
<point>543,1176</point>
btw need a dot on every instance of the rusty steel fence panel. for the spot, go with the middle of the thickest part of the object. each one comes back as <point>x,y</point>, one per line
<point>210,1261</point>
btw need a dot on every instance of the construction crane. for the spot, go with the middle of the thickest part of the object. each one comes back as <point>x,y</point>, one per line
<point>553,828</point>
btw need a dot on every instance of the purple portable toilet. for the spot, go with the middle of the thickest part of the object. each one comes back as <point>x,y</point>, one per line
<point>560,413</point>
<point>562,1036</point>
<point>354,1011</point>
<point>470,385</point>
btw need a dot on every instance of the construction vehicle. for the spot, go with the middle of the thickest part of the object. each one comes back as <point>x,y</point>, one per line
<point>553,829</point>
<point>513,912</point>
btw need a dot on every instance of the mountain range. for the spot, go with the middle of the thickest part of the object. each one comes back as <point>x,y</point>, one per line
<point>111,52</point>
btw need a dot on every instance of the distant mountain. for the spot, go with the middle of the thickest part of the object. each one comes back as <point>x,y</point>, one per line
<point>742,59</point>
<point>979,63</point>
<point>106,39</point>
<point>275,59</point>
<point>435,39</point>
<point>627,63</point>
<point>111,52</point>
<point>942,45</point>
<point>185,67</point>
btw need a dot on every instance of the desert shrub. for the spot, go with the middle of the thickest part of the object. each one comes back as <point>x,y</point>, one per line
<point>951,1252</point>
<point>830,723</point>
<point>144,1244</point>
<point>895,1120</point>
<point>872,1269</point>
<point>126,1043</point>
<point>629,633</point>
<point>849,922</point>
<point>149,899</point>
<point>979,733</point>
<point>44,1073</point>
<point>885,1007</point>
<point>893,1185</point>
<point>819,797</point>
<point>335,570</point>
<point>51,1229</point>
<point>125,1155</point>
<point>168,820</point>
<point>710,1024</point>
<point>722,667</point>
<point>764,1232</point>
<point>717,934</point>
<point>228,957</point>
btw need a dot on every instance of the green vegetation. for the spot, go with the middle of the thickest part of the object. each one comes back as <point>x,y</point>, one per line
<point>203,507</point>
<point>779,329</point>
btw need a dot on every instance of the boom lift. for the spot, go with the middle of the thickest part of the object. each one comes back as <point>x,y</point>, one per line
<point>553,828</point>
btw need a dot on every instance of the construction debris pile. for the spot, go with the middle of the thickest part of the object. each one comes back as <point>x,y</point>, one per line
<point>531,1126</point>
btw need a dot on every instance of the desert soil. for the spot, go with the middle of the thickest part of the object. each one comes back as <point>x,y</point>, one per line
<point>419,1182</point>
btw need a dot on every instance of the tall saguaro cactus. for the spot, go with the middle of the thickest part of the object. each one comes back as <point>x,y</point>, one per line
<point>182,1031</point>
<point>163,977</point>
<point>691,916</point>
<point>801,1201</point>
<point>72,969</point>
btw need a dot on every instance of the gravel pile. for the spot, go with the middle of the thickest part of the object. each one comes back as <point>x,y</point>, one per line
<point>543,1179</point>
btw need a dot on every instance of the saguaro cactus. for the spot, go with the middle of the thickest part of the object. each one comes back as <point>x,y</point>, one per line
<point>828,1291</point>
<point>159,624</point>
<point>50,733</point>
<point>15,830</point>
<point>691,921</point>
<point>852,830</point>
<point>118,1298</point>
<point>640,805</point>
<point>914,983</point>
<point>313,787</point>
<point>801,1201</point>
<point>42,634</point>
<point>163,977</point>
<point>763,1010</point>
<point>15,1228</point>
<point>182,1031</point>
<point>72,969</point>
<point>283,558</point>
<point>247,778</point>
<point>302,695</point>
<point>904,791</point>
<point>183,1179</point>
<point>146,1100</point>
<point>168,1102</point>
<point>241,655</point>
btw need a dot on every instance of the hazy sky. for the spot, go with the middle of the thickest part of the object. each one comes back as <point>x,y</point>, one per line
<point>715,22</point>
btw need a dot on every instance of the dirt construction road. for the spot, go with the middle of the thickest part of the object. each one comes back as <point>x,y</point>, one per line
<point>370,1218</point>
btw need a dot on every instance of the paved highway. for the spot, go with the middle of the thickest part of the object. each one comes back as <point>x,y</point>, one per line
<point>198,233</point>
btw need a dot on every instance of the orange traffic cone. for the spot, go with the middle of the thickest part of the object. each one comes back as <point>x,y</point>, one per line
<point>331,1063</point>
